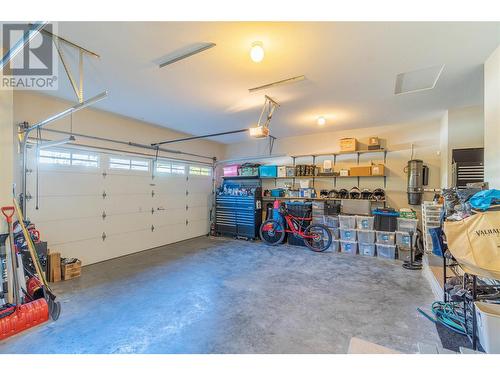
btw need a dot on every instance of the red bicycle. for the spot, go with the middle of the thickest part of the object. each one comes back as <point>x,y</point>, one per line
<point>317,237</point>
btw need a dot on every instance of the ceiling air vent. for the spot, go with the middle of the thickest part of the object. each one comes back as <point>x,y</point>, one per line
<point>418,80</point>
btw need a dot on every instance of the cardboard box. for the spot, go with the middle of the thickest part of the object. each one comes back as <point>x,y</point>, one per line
<point>378,170</point>
<point>344,172</point>
<point>361,171</point>
<point>348,144</point>
<point>72,270</point>
<point>54,266</point>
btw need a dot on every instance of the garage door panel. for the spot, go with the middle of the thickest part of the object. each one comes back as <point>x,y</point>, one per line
<point>198,199</point>
<point>127,202</point>
<point>170,216</point>
<point>128,222</point>
<point>198,213</point>
<point>63,207</point>
<point>53,182</point>
<point>198,228</point>
<point>69,230</point>
<point>88,251</point>
<point>71,210</point>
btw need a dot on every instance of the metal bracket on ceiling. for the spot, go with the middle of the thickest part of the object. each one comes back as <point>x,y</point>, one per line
<point>58,42</point>
<point>267,110</point>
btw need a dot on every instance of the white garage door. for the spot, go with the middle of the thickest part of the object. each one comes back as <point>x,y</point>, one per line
<point>96,206</point>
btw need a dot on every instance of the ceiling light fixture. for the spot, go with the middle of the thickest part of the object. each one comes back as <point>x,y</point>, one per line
<point>257,52</point>
<point>321,121</point>
<point>278,83</point>
<point>187,53</point>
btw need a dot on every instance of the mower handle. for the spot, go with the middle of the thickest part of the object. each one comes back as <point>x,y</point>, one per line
<point>8,212</point>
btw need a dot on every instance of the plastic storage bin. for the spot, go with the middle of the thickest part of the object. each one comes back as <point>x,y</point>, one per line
<point>386,238</point>
<point>331,221</point>
<point>365,222</point>
<point>386,251</point>
<point>335,233</point>
<point>385,219</point>
<point>231,170</point>
<point>403,240</point>
<point>366,249</point>
<point>268,171</point>
<point>318,208</point>
<point>348,234</point>
<point>347,222</point>
<point>407,225</point>
<point>349,247</point>
<point>366,236</point>
<point>335,246</point>
<point>488,324</point>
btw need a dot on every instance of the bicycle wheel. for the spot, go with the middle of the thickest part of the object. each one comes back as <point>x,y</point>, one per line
<point>317,237</point>
<point>272,232</point>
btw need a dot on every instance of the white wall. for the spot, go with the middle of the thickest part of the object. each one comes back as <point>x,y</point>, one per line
<point>6,152</point>
<point>492,119</point>
<point>398,138</point>
<point>444,149</point>
<point>465,130</point>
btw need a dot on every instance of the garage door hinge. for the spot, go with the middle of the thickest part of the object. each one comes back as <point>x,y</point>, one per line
<point>187,207</point>
<point>104,174</point>
<point>104,195</point>
<point>28,197</point>
<point>29,170</point>
<point>152,210</point>
<point>187,222</point>
<point>152,228</point>
<point>187,193</point>
<point>152,193</point>
<point>103,236</point>
<point>103,215</point>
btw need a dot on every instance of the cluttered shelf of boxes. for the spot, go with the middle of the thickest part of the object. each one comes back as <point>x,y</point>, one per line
<point>358,219</point>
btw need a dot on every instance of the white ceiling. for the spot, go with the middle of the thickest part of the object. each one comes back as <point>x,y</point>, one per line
<point>350,69</point>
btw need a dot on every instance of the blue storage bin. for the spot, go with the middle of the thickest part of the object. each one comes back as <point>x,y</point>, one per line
<point>268,171</point>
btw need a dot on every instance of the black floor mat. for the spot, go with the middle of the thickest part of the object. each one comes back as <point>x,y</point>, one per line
<point>452,340</point>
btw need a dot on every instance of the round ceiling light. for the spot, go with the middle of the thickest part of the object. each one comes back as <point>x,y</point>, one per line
<point>321,121</point>
<point>257,52</point>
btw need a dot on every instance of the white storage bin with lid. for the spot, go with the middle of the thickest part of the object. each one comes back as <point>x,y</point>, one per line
<point>403,240</point>
<point>488,326</point>
<point>365,222</point>
<point>386,238</point>
<point>335,246</point>
<point>366,236</point>
<point>407,225</point>
<point>347,222</point>
<point>317,219</point>
<point>386,251</point>
<point>348,234</point>
<point>331,221</point>
<point>367,249</point>
<point>335,233</point>
<point>349,247</point>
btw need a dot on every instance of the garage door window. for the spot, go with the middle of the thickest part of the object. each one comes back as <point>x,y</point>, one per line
<point>67,157</point>
<point>129,164</point>
<point>168,167</point>
<point>199,171</point>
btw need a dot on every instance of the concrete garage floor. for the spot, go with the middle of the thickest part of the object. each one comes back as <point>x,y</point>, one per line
<point>226,296</point>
